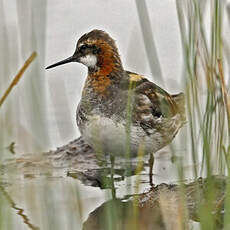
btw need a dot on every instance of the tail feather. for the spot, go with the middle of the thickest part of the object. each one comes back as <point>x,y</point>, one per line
<point>180,101</point>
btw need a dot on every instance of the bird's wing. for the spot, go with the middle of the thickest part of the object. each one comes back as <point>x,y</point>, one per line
<point>150,99</point>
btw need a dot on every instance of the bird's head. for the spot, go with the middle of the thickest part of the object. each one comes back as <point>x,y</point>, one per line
<point>96,50</point>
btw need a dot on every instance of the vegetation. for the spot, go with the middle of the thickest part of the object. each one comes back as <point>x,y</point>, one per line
<point>206,59</point>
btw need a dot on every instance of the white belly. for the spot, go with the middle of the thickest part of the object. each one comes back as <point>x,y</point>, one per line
<point>107,136</point>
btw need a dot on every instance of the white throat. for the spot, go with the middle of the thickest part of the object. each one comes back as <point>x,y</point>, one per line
<point>89,60</point>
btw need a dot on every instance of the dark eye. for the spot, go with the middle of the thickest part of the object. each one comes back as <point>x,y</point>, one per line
<point>82,48</point>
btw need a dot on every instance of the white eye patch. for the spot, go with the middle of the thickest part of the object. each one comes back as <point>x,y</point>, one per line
<point>89,60</point>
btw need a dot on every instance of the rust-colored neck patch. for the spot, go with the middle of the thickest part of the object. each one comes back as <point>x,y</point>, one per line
<point>100,84</point>
<point>108,62</point>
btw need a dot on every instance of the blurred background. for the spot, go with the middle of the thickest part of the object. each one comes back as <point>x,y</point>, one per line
<point>43,104</point>
<point>163,40</point>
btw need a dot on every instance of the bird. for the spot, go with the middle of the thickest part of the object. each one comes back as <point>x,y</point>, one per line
<point>122,111</point>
